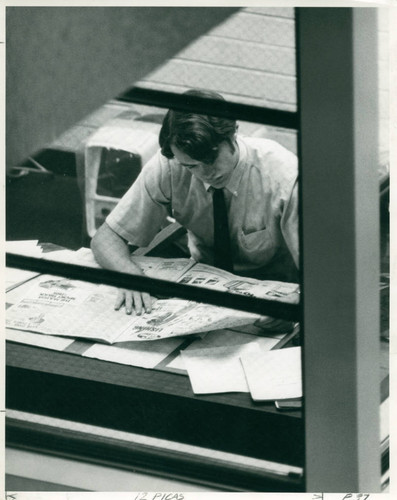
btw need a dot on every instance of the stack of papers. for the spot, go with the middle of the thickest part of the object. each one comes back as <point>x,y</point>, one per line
<point>32,248</point>
<point>266,374</point>
<point>28,248</point>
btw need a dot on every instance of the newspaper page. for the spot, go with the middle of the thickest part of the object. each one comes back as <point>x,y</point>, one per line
<point>15,277</point>
<point>154,267</point>
<point>164,269</point>
<point>188,271</point>
<point>63,307</point>
<point>207,276</point>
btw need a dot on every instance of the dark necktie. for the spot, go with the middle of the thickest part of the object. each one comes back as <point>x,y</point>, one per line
<point>222,248</point>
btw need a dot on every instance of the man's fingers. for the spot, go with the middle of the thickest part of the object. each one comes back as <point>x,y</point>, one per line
<point>128,301</point>
<point>119,299</point>
<point>137,302</point>
<point>147,302</point>
<point>141,302</point>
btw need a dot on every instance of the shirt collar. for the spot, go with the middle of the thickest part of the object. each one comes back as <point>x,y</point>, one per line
<point>235,177</point>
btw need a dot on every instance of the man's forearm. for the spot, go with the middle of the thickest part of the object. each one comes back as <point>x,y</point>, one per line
<point>112,252</point>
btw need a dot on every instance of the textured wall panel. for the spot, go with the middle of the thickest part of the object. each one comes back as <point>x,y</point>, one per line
<point>258,28</point>
<point>236,53</point>
<point>270,88</point>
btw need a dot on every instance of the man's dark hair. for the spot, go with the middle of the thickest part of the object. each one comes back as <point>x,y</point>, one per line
<point>196,135</point>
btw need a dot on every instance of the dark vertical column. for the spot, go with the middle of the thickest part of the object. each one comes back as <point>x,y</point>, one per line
<point>337,69</point>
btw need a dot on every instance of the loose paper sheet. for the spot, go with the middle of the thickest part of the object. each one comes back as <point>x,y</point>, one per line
<point>46,341</point>
<point>142,354</point>
<point>218,369</point>
<point>215,370</point>
<point>273,375</point>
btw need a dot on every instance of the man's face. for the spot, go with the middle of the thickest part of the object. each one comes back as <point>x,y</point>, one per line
<point>217,174</point>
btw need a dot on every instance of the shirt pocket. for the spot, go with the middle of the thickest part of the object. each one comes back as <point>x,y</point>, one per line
<point>257,247</point>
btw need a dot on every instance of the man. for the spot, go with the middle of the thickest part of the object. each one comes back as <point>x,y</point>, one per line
<point>201,155</point>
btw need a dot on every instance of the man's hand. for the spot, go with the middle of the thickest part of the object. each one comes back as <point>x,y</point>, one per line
<point>140,301</point>
<point>112,252</point>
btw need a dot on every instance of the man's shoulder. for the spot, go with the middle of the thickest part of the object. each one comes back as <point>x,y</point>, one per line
<point>265,146</point>
<point>163,172</point>
<point>270,157</point>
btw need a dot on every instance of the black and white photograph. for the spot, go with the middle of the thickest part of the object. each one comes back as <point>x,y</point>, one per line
<point>197,250</point>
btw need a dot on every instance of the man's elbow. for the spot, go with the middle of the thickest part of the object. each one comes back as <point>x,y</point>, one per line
<point>97,239</point>
<point>93,244</point>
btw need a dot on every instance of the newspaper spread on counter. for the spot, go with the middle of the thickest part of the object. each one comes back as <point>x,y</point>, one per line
<point>59,306</point>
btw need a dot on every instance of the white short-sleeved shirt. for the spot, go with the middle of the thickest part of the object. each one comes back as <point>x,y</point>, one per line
<point>262,200</point>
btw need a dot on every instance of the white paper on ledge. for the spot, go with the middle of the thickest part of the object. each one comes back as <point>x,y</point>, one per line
<point>142,354</point>
<point>217,369</point>
<point>38,340</point>
<point>273,375</point>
